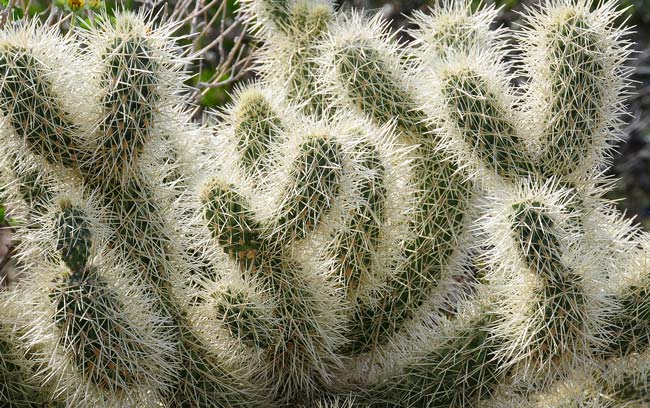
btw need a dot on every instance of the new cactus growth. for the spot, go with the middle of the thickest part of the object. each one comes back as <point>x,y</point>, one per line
<point>371,224</point>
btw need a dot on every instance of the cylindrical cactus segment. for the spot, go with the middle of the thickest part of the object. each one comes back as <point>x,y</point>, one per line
<point>629,329</point>
<point>231,222</point>
<point>374,85</point>
<point>257,124</point>
<point>453,27</point>
<point>437,221</point>
<point>33,108</point>
<point>562,298</point>
<point>18,388</point>
<point>548,317</point>
<point>478,114</point>
<point>130,81</point>
<point>456,369</point>
<point>309,20</point>
<point>276,11</point>
<point>309,25</point>
<point>101,341</point>
<point>533,230</point>
<point>353,247</point>
<point>313,184</point>
<point>245,320</point>
<point>293,28</point>
<point>574,57</point>
<point>135,53</point>
<point>306,326</point>
<point>291,18</point>
<point>74,238</point>
<point>98,330</point>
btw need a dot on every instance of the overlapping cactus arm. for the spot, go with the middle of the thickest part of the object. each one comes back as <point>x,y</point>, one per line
<point>297,329</point>
<point>291,30</point>
<point>551,314</point>
<point>477,107</point>
<point>33,94</point>
<point>455,368</point>
<point>456,26</point>
<point>629,328</point>
<point>138,78</point>
<point>353,247</point>
<point>574,58</point>
<point>18,388</point>
<point>362,66</point>
<point>133,72</point>
<point>257,126</point>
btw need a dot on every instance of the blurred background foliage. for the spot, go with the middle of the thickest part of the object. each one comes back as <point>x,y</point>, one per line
<point>212,30</point>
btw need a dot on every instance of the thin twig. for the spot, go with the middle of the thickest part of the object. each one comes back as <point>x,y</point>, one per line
<point>6,12</point>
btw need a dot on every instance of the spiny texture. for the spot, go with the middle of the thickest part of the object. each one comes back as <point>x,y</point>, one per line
<point>101,142</point>
<point>373,223</point>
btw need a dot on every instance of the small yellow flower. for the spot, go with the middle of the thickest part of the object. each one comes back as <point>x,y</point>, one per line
<point>76,5</point>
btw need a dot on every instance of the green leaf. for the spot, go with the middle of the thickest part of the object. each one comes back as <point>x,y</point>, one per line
<point>18,13</point>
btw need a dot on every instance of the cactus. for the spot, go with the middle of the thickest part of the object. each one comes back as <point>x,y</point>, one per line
<point>98,141</point>
<point>371,224</point>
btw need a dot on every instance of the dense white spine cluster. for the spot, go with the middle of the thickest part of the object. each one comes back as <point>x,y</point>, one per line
<point>371,224</point>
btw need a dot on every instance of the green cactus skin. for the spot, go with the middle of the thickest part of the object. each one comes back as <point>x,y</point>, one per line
<point>313,183</point>
<point>569,51</point>
<point>612,383</point>
<point>257,126</point>
<point>98,330</point>
<point>231,222</point>
<point>309,23</point>
<point>245,320</point>
<point>31,185</point>
<point>203,378</point>
<point>74,237</point>
<point>330,260</point>
<point>129,104</point>
<point>562,288</point>
<point>485,124</point>
<point>104,355</point>
<point>374,89</point>
<point>544,279</point>
<point>352,247</point>
<point>301,350</point>
<point>33,109</point>
<point>371,80</point>
<point>457,368</point>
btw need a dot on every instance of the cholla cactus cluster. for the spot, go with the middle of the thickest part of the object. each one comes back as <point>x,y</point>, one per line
<point>370,224</point>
